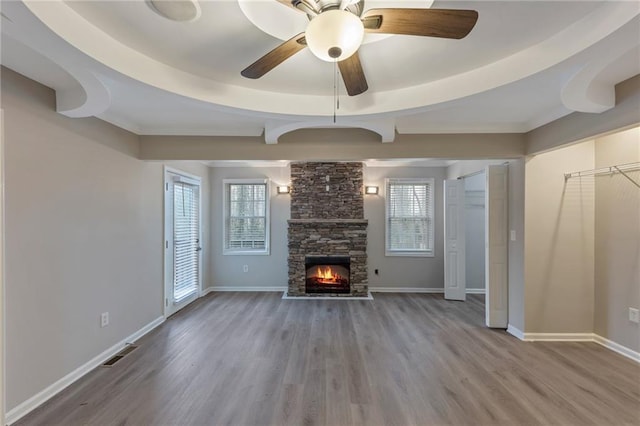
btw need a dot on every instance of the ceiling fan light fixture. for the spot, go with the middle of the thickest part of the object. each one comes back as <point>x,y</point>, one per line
<point>334,35</point>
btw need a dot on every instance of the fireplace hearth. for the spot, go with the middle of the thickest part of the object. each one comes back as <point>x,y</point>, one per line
<point>327,274</point>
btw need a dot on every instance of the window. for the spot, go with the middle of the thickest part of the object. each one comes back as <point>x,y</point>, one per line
<point>246,218</point>
<point>409,217</point>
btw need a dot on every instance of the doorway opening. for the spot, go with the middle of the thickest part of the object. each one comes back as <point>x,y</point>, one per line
<point>493,251</point>
<point>474,217</point>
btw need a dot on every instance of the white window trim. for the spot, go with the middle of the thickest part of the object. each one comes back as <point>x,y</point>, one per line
<point>267,244</point>
<point>409,253</point>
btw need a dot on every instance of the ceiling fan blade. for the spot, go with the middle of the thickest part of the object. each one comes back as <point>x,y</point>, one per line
<point>445,23</point>
<point>353,75</point>
<point>275,57</point>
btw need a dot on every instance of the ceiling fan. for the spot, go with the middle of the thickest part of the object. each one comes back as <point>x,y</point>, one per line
<point>336,29</point>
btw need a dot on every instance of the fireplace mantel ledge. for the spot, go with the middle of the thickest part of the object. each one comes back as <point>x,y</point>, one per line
<point>364,221</point>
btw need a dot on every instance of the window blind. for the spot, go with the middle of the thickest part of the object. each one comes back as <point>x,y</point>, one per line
<point>410,216</point>
<point>246,216</point>
<point>186,240</point>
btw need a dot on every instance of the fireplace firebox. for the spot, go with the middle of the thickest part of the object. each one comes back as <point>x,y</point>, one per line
<point>327,274</point>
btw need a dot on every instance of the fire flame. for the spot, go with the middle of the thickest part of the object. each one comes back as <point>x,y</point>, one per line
<point>326,275</point>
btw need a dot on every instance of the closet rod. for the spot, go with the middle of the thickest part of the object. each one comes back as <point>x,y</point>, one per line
<point>621,168</point>
<point>471,174</point>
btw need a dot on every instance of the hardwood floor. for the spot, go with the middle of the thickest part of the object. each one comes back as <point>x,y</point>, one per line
<point>254,359</point>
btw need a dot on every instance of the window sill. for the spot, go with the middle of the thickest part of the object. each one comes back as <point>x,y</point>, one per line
<point>245,253</point>
<point>409,253</point>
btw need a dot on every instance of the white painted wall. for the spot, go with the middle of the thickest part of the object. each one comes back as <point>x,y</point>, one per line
<point>474,215</point>
<point>397,271</point>
<point>559,246</point>
<point>617,240</point>
<point>264,270</point>
<point>83,236</point>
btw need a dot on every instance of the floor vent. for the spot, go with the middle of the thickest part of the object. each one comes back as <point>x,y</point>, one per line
<point>117,357</point>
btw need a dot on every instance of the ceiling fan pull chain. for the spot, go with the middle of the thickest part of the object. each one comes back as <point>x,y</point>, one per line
<point>335,89</point>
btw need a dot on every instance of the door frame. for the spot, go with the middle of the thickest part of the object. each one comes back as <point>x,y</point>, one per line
<point>167,262</point>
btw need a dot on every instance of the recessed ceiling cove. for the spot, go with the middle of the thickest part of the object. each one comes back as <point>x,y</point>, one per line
<point>508,74</point>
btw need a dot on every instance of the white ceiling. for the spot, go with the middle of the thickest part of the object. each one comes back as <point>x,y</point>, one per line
<point>525,64</point>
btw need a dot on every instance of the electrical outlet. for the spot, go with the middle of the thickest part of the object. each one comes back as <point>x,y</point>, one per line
<point>634,315</point>
<point>245,268</point>
<point>104,319</point>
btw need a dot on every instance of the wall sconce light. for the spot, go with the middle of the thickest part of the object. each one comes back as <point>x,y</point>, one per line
<point>371,190</point>
<point>284,189</point>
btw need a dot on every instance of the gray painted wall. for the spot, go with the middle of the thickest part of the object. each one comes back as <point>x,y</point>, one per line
<point>271,271</point>
<point>397,271</point>
<point>617,240</point>
<point>583,241</point>
<point>83,236</point>
<point>559,248</point>
<point>264,270</point>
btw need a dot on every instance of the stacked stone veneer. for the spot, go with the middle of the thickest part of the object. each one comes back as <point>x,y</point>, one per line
<point>327,223</point>
<point>310,198</point>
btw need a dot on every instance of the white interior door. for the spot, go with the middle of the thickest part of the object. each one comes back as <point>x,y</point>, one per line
<point>454,243</point>
<point>182,240</point>
<point>496,281</point>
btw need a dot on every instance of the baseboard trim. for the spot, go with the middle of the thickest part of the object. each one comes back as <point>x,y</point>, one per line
<point>50,391</point>
<point>236,288</point>
<point>206,291</point>
<point>515,332</point>
<point>616,347</point>
<point>558,337</point>
<point>405,290</point>
<point>434,290</point>
<point>576,337</point>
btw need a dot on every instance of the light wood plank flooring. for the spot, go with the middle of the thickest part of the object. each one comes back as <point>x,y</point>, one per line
<point>254,359</point>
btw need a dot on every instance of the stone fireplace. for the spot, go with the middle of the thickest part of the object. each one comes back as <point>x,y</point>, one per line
<point>327,231</point>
